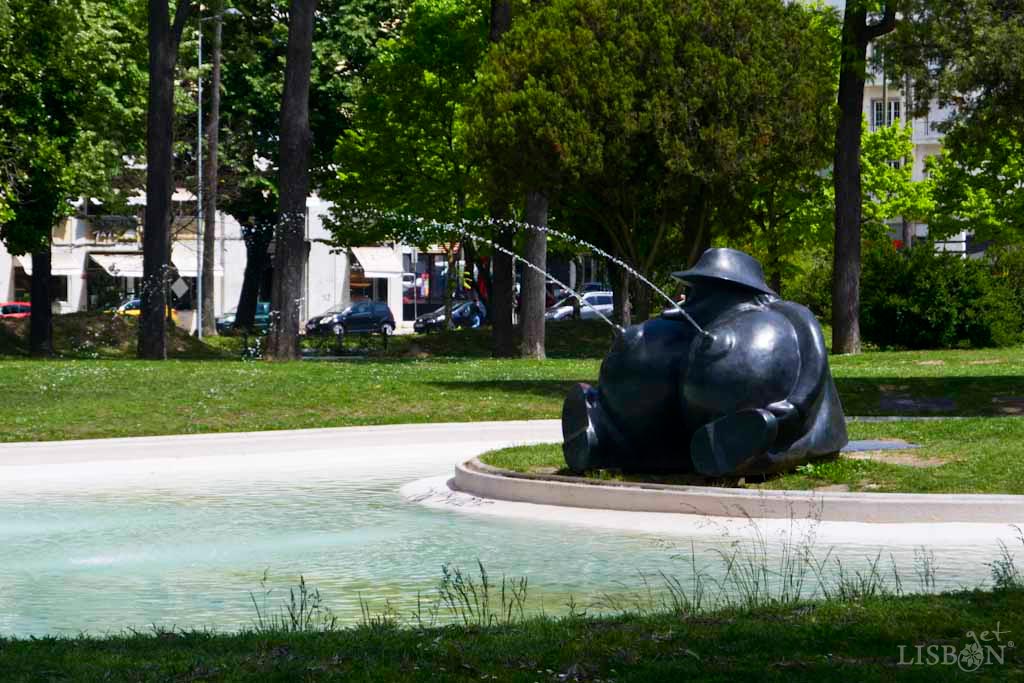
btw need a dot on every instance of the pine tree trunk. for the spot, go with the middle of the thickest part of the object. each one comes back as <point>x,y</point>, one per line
<point>532,301</point>
<point>163,53</point>
<point>209,321</point>
<point>622,308</point>
<point>502,288</point>
<point>290,250</point>
<point>857,33</point>
<point>41,321</point>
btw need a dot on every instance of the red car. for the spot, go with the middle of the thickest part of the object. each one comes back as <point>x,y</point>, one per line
<point>15,310</point>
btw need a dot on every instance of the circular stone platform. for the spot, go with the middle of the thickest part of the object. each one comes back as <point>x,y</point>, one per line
<point>486,482</point>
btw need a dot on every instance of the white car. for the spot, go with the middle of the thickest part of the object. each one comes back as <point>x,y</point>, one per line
<point>593,306</point>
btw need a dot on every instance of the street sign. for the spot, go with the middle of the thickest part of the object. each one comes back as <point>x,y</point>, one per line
<point>179,288</point>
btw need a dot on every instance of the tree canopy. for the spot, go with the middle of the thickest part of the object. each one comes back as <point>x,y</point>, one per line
<point>649,119</point>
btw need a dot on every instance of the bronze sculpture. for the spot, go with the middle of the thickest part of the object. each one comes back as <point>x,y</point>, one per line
<point>735,382</point>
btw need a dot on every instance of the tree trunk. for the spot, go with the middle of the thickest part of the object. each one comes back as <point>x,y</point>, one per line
<point>502,287</point>
<point>41,320</point>
<point>163,53</point>
<point>622,308</point>
<point>503,281</point>
<point>450,283</point>
<point>290,250</point>
<point>501,19</point>
<point>257,260</point>
<point>641,301</point>
<point>531,307</point>
<point>773,264</point>
<point>857,33</point>
<point>209,321</point>
<point>697,236</point>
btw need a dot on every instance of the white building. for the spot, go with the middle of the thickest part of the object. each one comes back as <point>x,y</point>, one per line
<point>97,264</point>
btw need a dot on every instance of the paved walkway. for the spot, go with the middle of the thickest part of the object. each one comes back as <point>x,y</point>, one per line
<point>460,440</point>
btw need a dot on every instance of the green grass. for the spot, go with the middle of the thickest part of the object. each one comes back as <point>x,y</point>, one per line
<point>69,399</point>
<point>92,335</point>
<point>977,455</point>
<point>844,641</point>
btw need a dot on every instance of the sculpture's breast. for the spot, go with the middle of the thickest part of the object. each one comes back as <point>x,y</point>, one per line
<point>753,360</point>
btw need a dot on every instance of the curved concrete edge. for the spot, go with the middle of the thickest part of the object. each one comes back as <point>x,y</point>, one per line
<point>488,482</point>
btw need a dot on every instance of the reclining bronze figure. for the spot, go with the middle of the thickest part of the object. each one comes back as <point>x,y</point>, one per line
<point>734,382</point>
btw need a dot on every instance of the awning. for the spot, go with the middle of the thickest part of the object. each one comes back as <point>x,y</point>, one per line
<point>378,261</point>
<point>60,264</point>
<point>184,260</point>
<point>119,265</point>
<point>130,265</point>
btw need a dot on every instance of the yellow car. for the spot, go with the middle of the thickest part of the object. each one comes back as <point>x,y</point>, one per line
<point>132,307</point>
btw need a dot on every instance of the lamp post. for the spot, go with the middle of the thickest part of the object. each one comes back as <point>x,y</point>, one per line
<point>201,213</point>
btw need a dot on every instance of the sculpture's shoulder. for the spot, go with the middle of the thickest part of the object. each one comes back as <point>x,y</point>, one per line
<point>800,316</point>
<point>805,323</point>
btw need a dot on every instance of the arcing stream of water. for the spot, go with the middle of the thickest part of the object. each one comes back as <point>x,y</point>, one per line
<point>459,228</point>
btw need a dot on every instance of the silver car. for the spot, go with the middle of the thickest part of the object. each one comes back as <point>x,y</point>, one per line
<point>593,306</point>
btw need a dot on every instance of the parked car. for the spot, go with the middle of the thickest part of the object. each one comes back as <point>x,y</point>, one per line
<point>595,287</point>
<point>594,305</point>
<point>133,307</point>
<point>260,321</point>
<point>467,314</point>
<point>15,310</point>
<point>365,317</point>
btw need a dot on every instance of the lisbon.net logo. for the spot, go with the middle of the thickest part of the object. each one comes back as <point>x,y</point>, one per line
<point>987,648</point>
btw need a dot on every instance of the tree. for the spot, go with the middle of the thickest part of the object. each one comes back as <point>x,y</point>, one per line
<point>345,39</point>
<point>966,55</point>
<point>889,190</point>
<point>290,251</point>
<point>857,33</point>
<point>502,301</point>
<point>787,207</point>
<point>69,113</point>
<point>164,39</point>
<point>406,151</point>
<point>597,102</point>
<point>979,186</point>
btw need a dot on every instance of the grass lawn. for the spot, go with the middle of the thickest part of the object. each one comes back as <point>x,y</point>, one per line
<point>844,641</point>
<point>83,397</point>
<point>977,455</point>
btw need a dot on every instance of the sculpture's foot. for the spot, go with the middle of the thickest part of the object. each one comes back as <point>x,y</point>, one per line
<point>730,445</point>
<point>579,437</point>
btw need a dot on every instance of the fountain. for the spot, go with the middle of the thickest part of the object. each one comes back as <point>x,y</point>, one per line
<point>735,382</point>
<point>742,388</point>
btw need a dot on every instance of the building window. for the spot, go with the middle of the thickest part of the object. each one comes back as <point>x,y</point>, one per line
<point>59,288</point>
<point>880,117</point>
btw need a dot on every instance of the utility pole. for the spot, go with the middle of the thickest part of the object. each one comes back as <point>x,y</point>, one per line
<point>206,220</point>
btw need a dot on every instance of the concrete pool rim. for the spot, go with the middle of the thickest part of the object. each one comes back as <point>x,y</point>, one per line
<point>488,482</point>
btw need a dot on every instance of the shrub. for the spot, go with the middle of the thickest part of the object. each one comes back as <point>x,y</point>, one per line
<point>919,299</point>
<point>811,285</point>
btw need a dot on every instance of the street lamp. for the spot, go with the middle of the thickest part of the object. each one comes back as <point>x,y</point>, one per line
<point>215,106</point>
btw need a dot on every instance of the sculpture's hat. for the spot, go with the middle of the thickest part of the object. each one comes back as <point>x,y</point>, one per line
<point>729,265</point>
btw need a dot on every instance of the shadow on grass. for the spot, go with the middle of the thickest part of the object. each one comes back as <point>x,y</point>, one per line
<point>899,396</point>
<point>542,388</point>
<point>939,396</point>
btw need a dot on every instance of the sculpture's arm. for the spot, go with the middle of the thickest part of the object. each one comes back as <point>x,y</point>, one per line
<point>792,412</point>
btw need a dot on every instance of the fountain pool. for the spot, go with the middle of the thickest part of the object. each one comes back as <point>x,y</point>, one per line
<point>177,531</point>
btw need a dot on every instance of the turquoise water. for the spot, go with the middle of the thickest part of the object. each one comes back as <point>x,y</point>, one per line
<point>98,547</point>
